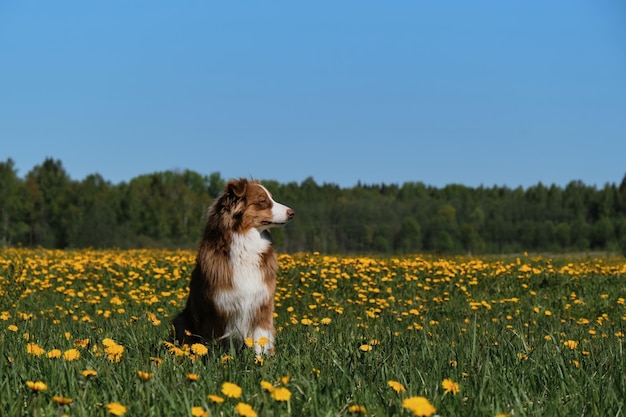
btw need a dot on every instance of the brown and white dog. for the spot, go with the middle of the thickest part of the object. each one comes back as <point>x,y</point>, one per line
<point>231,293</point>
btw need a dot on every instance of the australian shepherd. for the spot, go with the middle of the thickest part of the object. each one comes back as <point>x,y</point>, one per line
<point>231,293</point>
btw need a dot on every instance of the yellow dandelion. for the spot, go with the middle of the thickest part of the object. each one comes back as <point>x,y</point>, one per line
<point>156,360</point>
<point>231,390</point>
<point>396,386</point>
<point>71,355</point>
<point>365,348</point>
<point>37,385</point>
<point>326,321</point>
<point>262,341</point>
<point>54,354</point>
<point>249,342</point>
<point>62,400</point>
<point>193,377</point>
<point>116,409</point>
<point>419,406</point>
<point>199,412</point>
<point>225,359</point>
<point>571,344</point>
<point>245,410</point>
<point>13,328</point>
<point>144,376</point>
<point>34,349</point>
<point>357,409</point>
<point>267,386</point>
<point>285,379</point>
<point>199,349</point>
<point>89,372</point>
<point>281,394</point>
<point>215,398</point>
<point>449,385</point>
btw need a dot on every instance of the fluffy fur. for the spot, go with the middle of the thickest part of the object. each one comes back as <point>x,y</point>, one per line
<point>231,293</point>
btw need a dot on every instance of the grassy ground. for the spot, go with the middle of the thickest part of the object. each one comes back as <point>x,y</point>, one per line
<point>533,336</point>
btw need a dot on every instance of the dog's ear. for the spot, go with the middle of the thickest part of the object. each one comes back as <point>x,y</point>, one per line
<point>237,188</point>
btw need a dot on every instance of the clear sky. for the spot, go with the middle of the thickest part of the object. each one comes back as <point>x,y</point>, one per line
<point>504,93</point>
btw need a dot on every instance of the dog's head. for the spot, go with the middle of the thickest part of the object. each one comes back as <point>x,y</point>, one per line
<point>250,205</point>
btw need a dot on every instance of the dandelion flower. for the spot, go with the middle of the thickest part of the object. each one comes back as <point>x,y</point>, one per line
<point>231,390</point>
<point>193,377</point>
<point>419,406</point>
<point>215,398</point>
<point>89,372</point>
<point>34,349</point>
<point>245,410</point>
<point>571,344</point>
<point>13,328</point>
<point>357,409</point>
<point>450,386</point>
<point>281,394</point>
<point>267,386</point>
<point>54,354</point>
<point>199,349</point>
<point>144,376</point>
<point>326,321</point>
<point>396,386</point>
<point>365,348</point>
<point>199,412</point>
<point>62,400</point>
<point>116,409</point>
<point>71,355</point>
<point>37,385</point>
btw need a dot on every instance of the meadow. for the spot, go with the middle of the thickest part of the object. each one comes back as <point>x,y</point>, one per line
<point>85,333</point>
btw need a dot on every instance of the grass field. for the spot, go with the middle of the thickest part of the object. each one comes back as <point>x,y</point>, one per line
<point>82,333</point>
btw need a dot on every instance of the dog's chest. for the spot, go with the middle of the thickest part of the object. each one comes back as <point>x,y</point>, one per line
<point>248,291</point>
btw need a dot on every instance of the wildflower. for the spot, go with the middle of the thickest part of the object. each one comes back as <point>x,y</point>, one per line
<point>37,385</point>
<point>231,390</point>
<point>62,400</point>
<point>267,386</point>
<point>365,348</point>
<point>89,372</point>
<point>156,360</point>
<point>5,315</point>
<point>199,349</point>
<point>396,386</point>
<point>13,328</point>
<point>116,409</point>
<point>225,359</point>
<point>326,321</point>
<point>281,394</point>
<point>193,377</point>
<point>357,409</point>
<point>144,376</point>
<point>245,410</point>
<point>71,355</point>
<point>35,349</point>
<point>450,386</point>
<point>419,406</point>
<point>249,342</point>
<point>54,354</point>
<point>285,379</point>
<point>572,344</point>
<point>215,398</point>
<point>199,412</point>
<point>306,322</point>
<point>113,350</point>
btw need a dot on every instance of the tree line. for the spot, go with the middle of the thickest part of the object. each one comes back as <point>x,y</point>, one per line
<point>167,209</point>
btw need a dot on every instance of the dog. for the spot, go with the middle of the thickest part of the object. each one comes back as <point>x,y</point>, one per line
<point>231,292</point>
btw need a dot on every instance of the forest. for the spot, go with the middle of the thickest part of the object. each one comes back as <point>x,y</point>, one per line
<point>46,208</point>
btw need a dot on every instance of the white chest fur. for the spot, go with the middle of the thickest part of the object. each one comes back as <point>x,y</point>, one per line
<point>249,291</point>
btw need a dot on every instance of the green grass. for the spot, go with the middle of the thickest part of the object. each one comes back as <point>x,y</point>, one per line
<point>523,337</point>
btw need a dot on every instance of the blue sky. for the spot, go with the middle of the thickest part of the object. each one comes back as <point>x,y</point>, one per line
<point>504,93</point>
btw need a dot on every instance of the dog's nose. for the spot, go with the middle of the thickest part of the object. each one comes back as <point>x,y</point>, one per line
<point>290,213</point>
